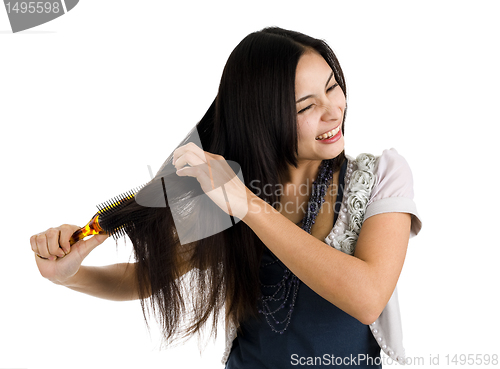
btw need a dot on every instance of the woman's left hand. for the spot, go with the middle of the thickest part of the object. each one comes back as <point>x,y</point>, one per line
<point>217,179</point>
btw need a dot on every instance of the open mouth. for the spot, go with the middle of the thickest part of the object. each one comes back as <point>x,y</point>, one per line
<point>329,134</point>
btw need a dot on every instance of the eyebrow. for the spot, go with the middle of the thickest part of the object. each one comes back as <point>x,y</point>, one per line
<point>309,96</point>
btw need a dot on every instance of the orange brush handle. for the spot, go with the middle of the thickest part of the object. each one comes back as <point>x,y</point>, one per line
<point>90,229</point>
<point>105,209</point>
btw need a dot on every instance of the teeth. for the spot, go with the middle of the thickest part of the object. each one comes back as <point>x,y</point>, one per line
<point>329,134</point>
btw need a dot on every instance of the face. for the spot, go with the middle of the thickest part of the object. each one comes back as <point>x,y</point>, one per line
<point>320,109</point>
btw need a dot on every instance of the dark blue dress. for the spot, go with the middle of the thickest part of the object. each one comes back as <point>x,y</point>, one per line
<point>319,333</point>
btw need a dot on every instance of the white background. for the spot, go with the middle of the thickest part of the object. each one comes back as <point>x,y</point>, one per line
<point>89,100</point>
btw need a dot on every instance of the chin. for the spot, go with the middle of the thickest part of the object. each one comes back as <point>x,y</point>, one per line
<point>336,148</point>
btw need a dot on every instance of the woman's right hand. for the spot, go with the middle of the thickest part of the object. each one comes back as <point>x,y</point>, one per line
<point>56,259</point>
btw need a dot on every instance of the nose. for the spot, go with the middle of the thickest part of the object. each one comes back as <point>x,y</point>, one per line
<point>331,111</point>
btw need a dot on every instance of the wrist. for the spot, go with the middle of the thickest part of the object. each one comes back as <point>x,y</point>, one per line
<point>71,281</point>
<point>256,206</point>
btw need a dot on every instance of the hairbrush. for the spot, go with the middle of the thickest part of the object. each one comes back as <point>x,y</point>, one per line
<point>106,219</point>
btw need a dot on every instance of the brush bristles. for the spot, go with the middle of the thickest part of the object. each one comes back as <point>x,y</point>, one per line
<point>112,219</point>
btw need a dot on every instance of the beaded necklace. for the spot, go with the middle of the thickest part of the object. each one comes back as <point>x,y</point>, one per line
<point>287,289</point>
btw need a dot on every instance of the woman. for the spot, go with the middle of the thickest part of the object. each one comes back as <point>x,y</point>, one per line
<point>307,270</point>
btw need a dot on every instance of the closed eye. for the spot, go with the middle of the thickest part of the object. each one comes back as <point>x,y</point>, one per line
<point>331,88</point>
<point>306,108</point>
<point>310,106</point>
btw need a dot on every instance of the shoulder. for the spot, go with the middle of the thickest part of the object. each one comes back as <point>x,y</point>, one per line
<point>391,157</point>
<point>392,174</point>
<point>393,188</point>
<point>393,177</point>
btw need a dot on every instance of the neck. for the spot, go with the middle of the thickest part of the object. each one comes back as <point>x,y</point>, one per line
<point>305,174</point>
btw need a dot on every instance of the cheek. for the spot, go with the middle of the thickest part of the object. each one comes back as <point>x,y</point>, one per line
<point>302,134</point>
<point>338,99</point>
<point>341,101</point>
<point>300,127</point>
<point>304,127</point>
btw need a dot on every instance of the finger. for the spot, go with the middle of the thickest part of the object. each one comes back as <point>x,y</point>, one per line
<point>65,234</point>
<point>38,257</point>
<point>43,251</point>
<point>199,172</point>
<point>218,171</point>
<point>86,246</point>
<point>192,147</point>
<point>188,158</point>
<point>53,242</point>
<point>34,246</point>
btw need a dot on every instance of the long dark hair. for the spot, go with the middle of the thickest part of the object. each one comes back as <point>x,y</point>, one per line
<point>253,122</point>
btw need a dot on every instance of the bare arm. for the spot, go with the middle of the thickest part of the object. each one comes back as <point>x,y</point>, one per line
<point>112,282</point>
